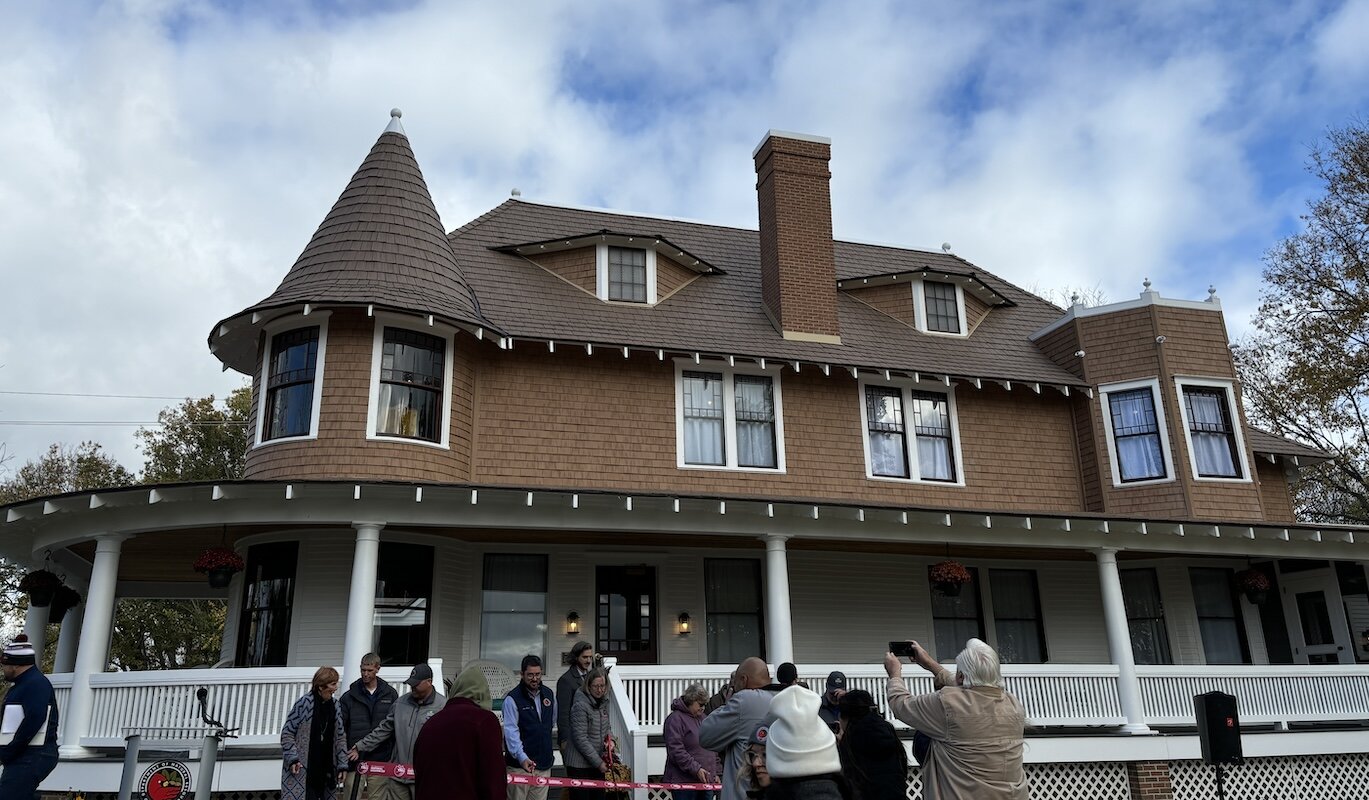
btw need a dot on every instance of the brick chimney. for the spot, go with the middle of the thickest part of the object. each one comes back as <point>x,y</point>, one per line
<point>798,269</point>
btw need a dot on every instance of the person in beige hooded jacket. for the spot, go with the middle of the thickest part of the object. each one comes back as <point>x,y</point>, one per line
<point>976,728</point>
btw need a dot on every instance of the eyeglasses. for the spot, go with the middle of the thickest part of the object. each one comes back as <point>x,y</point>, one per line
<point>754,758</point>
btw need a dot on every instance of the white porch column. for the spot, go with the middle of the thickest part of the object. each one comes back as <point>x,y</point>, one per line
<point>67,639</point>
<point>93,650</point>
<point>361,603</point>
<point>36,628</point>
<point>779,631</point>
<point>1119,642</point>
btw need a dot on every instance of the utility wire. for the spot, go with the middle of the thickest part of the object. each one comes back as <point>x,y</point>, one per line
<point>84,394</point>
<point>199,423</point>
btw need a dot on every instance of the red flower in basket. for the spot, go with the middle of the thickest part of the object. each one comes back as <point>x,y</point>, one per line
<point>216,558</point>
<point>1252,580</point>
<point>950,573</point>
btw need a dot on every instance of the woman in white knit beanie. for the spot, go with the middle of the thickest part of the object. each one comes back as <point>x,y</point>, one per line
<point>800,750</point>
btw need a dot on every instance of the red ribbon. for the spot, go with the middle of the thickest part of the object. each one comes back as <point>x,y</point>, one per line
<point>385,770</point>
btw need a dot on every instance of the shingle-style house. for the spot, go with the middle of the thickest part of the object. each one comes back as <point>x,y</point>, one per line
<point>690,443</point>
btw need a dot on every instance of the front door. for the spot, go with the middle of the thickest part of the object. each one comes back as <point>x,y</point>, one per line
<point>1316,618</point>
<point>626,619</point>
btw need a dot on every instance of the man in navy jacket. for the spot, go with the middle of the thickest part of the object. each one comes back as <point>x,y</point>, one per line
<point>28,724</point>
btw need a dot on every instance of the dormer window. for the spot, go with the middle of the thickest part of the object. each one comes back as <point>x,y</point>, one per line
<point>939,307</point>
<point>626,274</point>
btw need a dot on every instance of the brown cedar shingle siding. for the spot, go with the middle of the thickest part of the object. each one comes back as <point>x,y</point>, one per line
<point>576,266</point>
<point>976,311</point>
<point>671,276</point>
<point>894,299</point>
<point>1275,495</point>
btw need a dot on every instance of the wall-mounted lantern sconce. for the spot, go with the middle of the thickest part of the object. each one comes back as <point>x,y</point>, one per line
<point>573,624</point>
<point>684,623</point>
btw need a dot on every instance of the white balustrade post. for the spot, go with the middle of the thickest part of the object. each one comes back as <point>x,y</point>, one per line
<point>36,628</point>
<point>779,631</point>
<point>93,651</point>
<point>1119,642</point>
<point>361,603</point>
<point>67,638</point>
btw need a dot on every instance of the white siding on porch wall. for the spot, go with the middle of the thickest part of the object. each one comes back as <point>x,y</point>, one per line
<point>847,607</point>
<point>1071,611</point>
<point>318,619</point>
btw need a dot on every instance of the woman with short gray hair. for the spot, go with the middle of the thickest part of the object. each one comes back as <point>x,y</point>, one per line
<point>685,760</point>
<point>976,728</point>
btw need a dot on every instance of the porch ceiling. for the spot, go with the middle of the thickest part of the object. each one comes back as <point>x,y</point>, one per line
<point>194,514</point>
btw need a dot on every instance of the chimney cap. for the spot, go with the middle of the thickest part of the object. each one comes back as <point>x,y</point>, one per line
<point>778,134</point>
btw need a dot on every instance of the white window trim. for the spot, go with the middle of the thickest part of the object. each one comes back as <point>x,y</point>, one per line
<point>1228,387</point>
<point>444,332</point>
<point>1157,398</point>
<point>601,274</point>
<point>683,365</point>
<point>920,308</point>
<point>907,386</point>
<point>277,326</point>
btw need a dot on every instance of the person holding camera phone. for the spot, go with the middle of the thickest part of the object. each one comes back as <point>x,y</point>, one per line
<point>975,726</point>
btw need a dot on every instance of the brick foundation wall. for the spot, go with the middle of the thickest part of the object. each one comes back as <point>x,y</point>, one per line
<point>1149,780</point>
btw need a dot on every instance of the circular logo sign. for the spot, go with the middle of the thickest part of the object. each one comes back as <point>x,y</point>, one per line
<point>165,780</point>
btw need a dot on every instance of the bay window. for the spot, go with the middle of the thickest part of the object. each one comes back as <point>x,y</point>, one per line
<point>1212,428</point>
<point>411,382</point>
<point>1134,422</point>
<point>290,381</point>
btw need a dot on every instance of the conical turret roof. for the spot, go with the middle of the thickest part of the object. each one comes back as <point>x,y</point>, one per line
<point>382,244</point>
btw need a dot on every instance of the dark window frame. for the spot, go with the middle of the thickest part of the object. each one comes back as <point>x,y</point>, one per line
<point>531,560</point>
<point>1237,617</point>
<point>1038,618</point>
<point>1225,427</point>
<point>412,564</point>
<point>416,380</point>
<point>712,615</point>
<point>279,380</point>
<point>971,589</point>
<point>1165,653</point>
<point>935,305</point>
<point>274,562</point>
<point>910,430</point>
<point>1137,432</point>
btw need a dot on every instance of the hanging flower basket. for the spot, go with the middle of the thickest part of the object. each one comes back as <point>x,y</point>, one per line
<point>220,564</point>
<point>1254,584</point>
<point>947,577</point>
<point>39,585</point>
<point>63,600</point>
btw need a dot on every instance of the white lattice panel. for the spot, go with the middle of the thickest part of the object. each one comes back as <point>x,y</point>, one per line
<point>1324,777</point>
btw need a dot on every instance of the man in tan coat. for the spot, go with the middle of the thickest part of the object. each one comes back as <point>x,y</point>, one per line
<point>976,728</point>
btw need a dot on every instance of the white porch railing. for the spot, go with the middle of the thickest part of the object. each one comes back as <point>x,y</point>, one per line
<point>627,728</point>
<point>1073,695</point>
<point>255,700</point>
<point>1281,694</point>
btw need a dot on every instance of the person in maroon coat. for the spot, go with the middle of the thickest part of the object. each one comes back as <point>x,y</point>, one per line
<point>459,754</point>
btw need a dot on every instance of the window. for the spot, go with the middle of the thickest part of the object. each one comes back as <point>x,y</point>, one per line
<point>1213,431</point>
<point>513,611</point>
<point>957,619</point>
<point>412,366</point>
<point>290,397</point>
<point>1017,616</point>
<point>1145,616</point>
<point>732,595</point>
<point>625,274</point>
<point>943,312</point>
<point>729,418</point>
<point>1219,621</point>
<point>1135,426</point>
<point>939,307</point>
<point>626,618</point>
<point>404,590</point>
<point>268,593</point>
<point>933,447</point>
<point>411,382</point>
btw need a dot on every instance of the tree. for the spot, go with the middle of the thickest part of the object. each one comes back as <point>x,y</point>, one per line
<point>197,440</point>
<point>65,469</point>
<point>1305,369</point>
<point>166,634</point>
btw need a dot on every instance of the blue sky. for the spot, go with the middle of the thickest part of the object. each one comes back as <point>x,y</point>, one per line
<point>162,163</point>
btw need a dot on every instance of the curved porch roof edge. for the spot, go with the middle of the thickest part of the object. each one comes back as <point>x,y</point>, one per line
<point>35,525</point>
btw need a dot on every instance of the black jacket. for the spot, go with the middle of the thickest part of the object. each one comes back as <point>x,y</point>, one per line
<point>362,711</point>
<point>566,685</point>
<point>873,760</point>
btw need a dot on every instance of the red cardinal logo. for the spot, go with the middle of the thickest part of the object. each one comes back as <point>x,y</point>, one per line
<point>166,784</point>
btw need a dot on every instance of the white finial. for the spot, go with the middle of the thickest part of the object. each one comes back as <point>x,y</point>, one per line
<point>515,192</point>
<point>394,126</point>
<point>945,247</point>
<point>1074,298</point>
<point>1146,284</point>
<point>1212,295</point>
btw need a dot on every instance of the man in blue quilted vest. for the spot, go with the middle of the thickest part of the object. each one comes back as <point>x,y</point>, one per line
<point>529,716</point>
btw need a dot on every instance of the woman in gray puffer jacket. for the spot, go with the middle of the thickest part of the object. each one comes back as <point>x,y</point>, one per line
<point>589,724</point>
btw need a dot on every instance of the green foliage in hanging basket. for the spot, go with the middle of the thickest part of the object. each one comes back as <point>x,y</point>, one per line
<point>40,580</point>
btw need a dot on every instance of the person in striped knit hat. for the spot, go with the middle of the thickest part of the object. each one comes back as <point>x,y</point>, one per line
<point>28,723</point>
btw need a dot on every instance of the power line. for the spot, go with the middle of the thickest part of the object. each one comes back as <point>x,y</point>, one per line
<point>85,394</point>
<point>197,423</point>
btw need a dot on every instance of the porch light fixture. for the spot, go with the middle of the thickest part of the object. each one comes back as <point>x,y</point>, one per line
<point>573,623</point>
<point>685,620</point>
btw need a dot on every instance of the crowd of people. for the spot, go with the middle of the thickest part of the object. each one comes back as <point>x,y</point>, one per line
<point>758,739</point>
